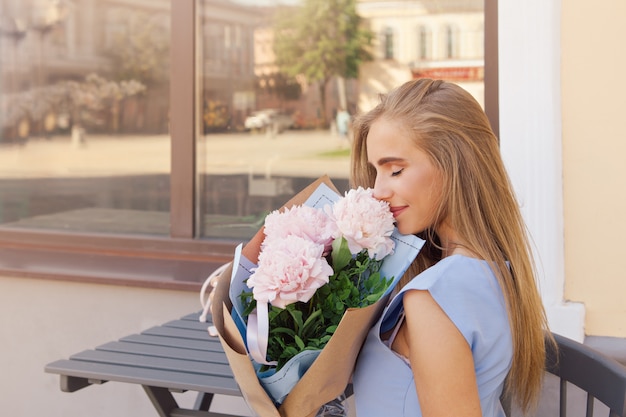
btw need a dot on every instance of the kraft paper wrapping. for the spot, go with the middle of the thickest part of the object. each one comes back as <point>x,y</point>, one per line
<point>327,377</point>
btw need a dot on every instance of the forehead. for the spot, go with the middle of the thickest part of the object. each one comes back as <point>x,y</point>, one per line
<point>388,138</point>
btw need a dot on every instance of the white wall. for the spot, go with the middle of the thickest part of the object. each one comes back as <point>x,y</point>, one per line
<point>42,321</point>
<point>529,48</point>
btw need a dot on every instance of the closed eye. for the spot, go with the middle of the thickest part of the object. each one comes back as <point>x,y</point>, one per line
<point>396,173</point>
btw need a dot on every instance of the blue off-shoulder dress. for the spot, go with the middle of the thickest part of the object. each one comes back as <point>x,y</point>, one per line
<point>468,292</point>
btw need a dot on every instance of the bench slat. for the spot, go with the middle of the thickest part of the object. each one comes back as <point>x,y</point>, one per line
<point>181,333</point>
<point>173,380</point>
<point>164,351</point>
<point>206,345</point>
<point>196,317</point>
<point>187,324</point>
<point>152,362</point>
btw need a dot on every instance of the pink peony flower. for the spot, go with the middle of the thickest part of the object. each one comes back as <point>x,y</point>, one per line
<point>304,221</point>
<point>365,223</point>
<point>290,269</point>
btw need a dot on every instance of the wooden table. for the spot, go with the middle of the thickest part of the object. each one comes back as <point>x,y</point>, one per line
<point>177,356</point>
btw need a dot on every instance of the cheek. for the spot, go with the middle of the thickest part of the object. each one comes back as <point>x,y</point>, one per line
<point>429,198</point>
<point>435,198</point>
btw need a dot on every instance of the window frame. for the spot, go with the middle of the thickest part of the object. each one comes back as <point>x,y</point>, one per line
<point>186,260</point>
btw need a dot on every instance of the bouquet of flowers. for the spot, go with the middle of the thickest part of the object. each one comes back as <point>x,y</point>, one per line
<point>321,272</point>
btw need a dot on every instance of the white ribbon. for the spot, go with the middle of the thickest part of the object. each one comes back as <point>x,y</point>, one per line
<point>257,334</point>
<point>205,294</point>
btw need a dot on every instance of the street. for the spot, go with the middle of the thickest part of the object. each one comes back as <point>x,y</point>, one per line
<point>300,153</point>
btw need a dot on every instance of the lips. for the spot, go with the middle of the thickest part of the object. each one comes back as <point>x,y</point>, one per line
<point>397,210</point>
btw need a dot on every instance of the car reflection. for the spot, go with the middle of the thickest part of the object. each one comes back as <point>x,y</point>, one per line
<point>272,119</point>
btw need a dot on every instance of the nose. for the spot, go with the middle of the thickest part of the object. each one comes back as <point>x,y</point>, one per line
<point>381,189</point>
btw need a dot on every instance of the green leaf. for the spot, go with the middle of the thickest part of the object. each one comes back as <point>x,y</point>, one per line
<point>296,315</point>
<point>282,330</point>
<point>310,321</point>
<point>341,255</point>
<point>299,342</point>
<point>290,352</point>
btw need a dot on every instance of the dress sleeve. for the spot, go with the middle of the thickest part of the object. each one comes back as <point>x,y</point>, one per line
<point>470,295</point>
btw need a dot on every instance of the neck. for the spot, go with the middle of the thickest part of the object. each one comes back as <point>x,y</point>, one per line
<point>452,244</point>
<point>458,249</point>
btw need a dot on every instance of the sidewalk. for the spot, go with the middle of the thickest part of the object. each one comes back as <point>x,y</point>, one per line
<point>300,153</point>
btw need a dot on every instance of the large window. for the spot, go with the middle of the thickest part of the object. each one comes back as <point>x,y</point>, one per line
<point>154,136</point>
<point>84,144</point>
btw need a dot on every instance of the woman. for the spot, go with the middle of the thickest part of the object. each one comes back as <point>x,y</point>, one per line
<point>467,324</point>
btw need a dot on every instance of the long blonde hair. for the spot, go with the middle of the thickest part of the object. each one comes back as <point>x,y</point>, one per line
<point>479,202</point>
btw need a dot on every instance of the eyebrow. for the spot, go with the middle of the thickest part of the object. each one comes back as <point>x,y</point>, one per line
<point>388,160</point>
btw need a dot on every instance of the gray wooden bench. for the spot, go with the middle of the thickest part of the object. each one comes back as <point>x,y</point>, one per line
<point>177,356</point>
<point>180,356</point>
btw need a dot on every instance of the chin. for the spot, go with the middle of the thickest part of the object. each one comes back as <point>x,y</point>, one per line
<point>407,229</point>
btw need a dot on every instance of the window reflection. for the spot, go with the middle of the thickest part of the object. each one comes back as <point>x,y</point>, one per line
<point>84,103</point>
<point>250,160</point>
<point>84,115</point>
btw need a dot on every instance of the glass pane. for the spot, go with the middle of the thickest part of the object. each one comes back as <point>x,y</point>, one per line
<point>271,126</point>
<point>84,96</point>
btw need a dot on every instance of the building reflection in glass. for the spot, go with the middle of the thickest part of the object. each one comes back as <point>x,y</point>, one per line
<point>84,143</point>
<point>84,105</point>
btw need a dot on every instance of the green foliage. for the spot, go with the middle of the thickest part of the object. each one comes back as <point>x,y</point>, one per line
<point>139,47</point>
<point>320,40</point>
<point>309,326</point>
